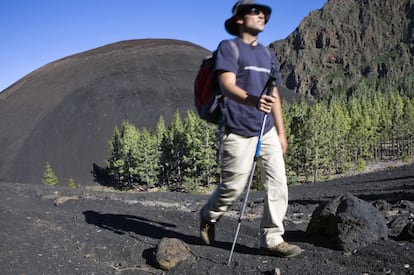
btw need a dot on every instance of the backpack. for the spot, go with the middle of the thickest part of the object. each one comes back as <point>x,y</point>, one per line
<point>207,93</point>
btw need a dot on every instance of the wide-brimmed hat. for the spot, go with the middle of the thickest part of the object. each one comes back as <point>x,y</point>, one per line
<point>239,8</point>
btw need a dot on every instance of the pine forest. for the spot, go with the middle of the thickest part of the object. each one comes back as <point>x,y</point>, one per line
<point>327,138</point>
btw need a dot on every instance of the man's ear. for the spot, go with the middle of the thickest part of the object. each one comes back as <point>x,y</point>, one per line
<point>239,20</point>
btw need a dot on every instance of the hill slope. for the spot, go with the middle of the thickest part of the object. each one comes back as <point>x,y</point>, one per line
<point>65,112</point>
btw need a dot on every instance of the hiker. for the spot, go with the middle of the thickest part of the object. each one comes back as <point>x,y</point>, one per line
<point>242,78</point>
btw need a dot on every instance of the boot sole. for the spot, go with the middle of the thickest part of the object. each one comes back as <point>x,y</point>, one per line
<point>267,252</point>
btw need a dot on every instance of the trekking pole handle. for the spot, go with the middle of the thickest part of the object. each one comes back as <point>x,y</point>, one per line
<point>270,85</point>
<point>268,88</point>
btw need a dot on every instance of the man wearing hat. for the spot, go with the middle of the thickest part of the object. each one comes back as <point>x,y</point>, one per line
<point>243,75</point>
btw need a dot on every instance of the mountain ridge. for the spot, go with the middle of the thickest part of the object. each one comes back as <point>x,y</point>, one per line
<point>345,42</point>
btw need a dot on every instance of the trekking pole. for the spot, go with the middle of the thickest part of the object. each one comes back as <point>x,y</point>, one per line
<point>268,89</point>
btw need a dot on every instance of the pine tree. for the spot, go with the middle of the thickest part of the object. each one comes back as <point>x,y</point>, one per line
<point>161,129</point>
<point>295,121</point>
<point>114,151</point>
<point>199,157</point>
<point>172,153</point>
<point>161,138</point>
<point>129,151</point>
<point>49,176</point>
<point>318,139</point>
<point>123,161</point>
<point>291,167</point>
<point>397,103</point>
<point>147,158</point>
<point>385,124</point>
<point>359,132</point>
<point>375,114</point>
<point>408,128</point>
<point>72,183</point>
<point>341,124</point>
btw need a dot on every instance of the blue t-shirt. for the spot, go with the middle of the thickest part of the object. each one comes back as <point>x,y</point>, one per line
<point>252,67</point>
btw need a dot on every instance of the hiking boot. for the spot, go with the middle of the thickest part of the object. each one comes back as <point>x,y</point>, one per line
<point>283,250</point>
<point>207,232</point>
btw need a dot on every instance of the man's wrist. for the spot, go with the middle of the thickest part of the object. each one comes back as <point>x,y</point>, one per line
<point>253,100</point>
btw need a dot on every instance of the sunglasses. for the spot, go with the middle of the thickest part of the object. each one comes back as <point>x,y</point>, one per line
<point>254,11</point>
<point>251,11</point>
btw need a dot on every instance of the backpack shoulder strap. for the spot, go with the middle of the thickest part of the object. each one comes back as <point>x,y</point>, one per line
<point>221,127</point>
<point>235,48</point>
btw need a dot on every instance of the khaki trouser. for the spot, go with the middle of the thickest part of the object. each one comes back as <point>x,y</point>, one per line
<point>238,159</point>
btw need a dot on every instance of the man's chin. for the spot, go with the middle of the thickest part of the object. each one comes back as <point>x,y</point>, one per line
<point>257,31</point>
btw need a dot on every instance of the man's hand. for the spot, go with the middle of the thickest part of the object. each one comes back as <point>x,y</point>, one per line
<point>265,103</point>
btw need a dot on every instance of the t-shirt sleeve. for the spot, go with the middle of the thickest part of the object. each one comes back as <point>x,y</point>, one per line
<point>227,60</point>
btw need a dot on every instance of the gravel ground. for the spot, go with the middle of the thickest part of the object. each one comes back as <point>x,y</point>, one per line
<point>58,230</point>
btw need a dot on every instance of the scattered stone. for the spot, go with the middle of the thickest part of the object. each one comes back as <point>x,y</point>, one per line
<point>405,204</point>
<point>349,222</point>
<point>63,199</point>
<point>171,251</point>
<point>382,205</point>
<point>52,196</point>
<point>407,234</point>
<point>276,271</point>
<point>396,225</point>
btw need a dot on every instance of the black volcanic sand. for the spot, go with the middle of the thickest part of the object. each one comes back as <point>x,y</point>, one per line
<point>57,230</point>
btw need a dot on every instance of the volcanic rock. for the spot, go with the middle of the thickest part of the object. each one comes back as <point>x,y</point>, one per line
<point>171,251</point>
<point>349,222</point>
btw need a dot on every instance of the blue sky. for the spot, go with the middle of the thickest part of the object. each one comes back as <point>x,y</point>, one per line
<point>34,33</point>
